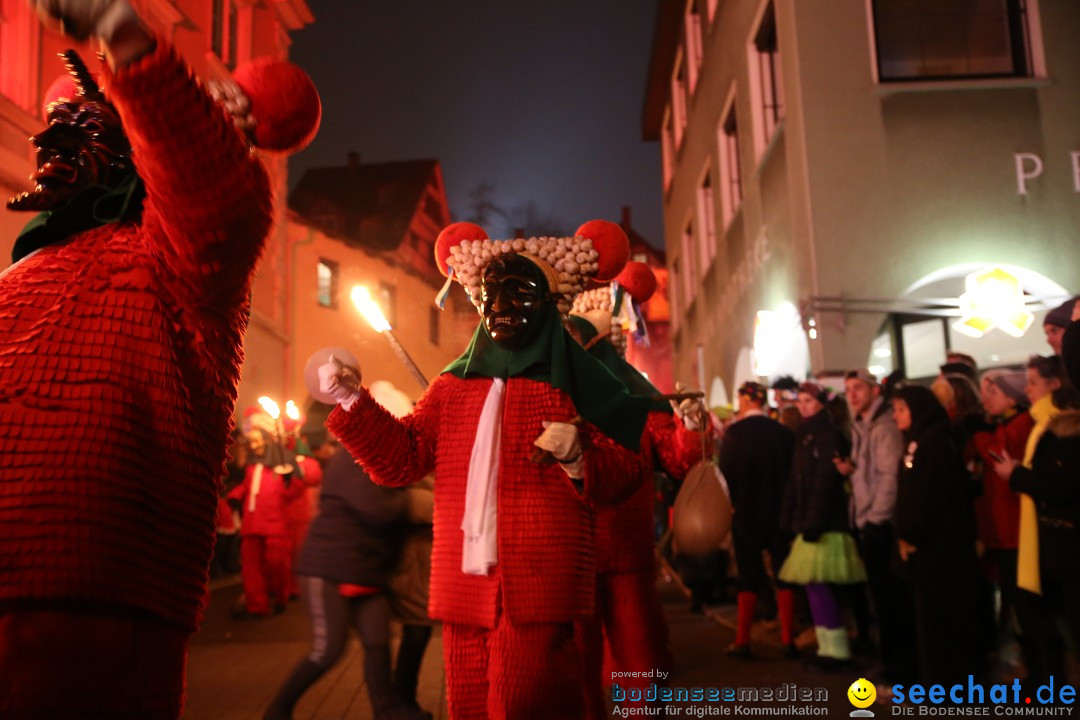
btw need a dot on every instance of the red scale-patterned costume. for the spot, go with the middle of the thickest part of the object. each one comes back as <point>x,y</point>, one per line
<point>119,360</point>
<point>545,576</point>
<point>628,610</point>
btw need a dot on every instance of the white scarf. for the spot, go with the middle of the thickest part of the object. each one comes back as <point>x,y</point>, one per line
<point>479,550</point>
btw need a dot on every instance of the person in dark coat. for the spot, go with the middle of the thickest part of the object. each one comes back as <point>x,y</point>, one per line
<point>755,459</point>
<point>936,538</point>
<point>816,511</point>
<point>345,567</point>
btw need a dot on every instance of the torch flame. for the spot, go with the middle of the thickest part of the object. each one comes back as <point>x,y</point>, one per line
<point>291,411</point>
<point>270,407</point>
<point>369,308</point>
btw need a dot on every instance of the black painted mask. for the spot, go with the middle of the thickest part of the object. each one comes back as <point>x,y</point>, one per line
<point>515,294</point>
<point>84,145</point>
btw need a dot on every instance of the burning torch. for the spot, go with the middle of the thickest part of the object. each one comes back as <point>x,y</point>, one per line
<point>374,315</point>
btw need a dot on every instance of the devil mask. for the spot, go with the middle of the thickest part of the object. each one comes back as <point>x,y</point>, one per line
<point>83,146</point>
<point>515,293</point>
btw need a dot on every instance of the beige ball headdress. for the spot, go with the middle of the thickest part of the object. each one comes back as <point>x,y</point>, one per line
<point>597,251</point>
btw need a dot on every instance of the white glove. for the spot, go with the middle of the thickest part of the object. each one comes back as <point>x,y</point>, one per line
<point>563,442</point>
<point>80,19</point>
<point>690,412</point>
<point>340,381</point>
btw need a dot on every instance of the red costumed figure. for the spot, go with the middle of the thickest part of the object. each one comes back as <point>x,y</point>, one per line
<point>628,611</point>
<point>513,557</point>
<point>121,324</point>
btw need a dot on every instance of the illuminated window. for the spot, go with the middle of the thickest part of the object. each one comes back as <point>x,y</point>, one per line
<point>690,271</point>
<point>678,98</point>
<point>731,193</point>
<point>706,214</point>
<point>387,299</point>
<point>940,39</point>
<point>326,273</point>
<point>692,42</point>
<point>766,83</point>
<point>223,31</point>
<point>434,314</point>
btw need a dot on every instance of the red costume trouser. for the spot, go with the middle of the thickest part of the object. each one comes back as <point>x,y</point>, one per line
<point>265,569</point>
<point>66,659</point>
<point>513,672</point>
<point>630,617</point>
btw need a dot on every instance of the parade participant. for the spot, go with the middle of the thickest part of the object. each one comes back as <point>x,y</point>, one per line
<point>272,481</point>
<point>302,501</point>
<point>121,324</point>
<point>628,611</point>
<point>755,459</point>
<point>512,562</point>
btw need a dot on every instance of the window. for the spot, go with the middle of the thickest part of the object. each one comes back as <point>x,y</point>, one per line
<point>766,84</point>
<point>692,42</point>
<point>667,149</point>
<point>434,314</point>
<point>710,8</point>
<point>673,298</point>
<point>223,32</point>
<point>641,257</point>
<point>326,273</point>
<point>19,50</point>
<point>938,39</point>
<point>387,299</point>
<point>730,170</point>
<point>690,277</point>
<point>678,98</point>
<point>706,216</point>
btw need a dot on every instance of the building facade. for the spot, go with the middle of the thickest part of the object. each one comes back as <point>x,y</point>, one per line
<point>837,174</point>
<point>213,36</point>
<point>373,225</point>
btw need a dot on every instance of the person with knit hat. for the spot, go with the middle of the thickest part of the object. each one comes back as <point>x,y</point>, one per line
<point>1057,321</point>
<point>997,507</point>
<point>755,459</point>
<point>936,538</point>
<point>816,512</point>
<point>526,433</point>
<point>629,616</point>
<point>122,315</point>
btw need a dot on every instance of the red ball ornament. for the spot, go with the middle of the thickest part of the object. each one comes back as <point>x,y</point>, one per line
<point>639,281</point>
<point>284,102</point>
<point>452,235</point>
<point>611,243</point>
<point>62,89</point>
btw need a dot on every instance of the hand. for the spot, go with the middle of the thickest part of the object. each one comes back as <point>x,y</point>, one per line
<point>340,381</point>
<point>1004,468</point>
<point>563,441</point>
<point>80,19</point>
<point>231,97</point>
<point>844,466</point>
<point>906,549</point>
<point>690,411</point>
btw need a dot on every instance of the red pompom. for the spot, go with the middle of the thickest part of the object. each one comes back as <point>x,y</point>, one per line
<point>62,89</point>
<point>252,410</point>
<point>284,102</point>
<point>639,281</point>
<point>611,243</point>
<point>450,236</point>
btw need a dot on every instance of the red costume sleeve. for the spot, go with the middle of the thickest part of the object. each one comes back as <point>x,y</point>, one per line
<point>612,473</point>
<point>675,449</point>
<point>394,452</point>
<point>208,200</point>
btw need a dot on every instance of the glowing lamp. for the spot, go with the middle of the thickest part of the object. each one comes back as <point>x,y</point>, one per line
<point>767,343</point>
<point>270,407</point>
<point>291,411</point>
<point>993,298</point>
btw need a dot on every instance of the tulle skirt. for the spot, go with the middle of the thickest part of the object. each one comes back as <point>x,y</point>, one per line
<point>832,559</point>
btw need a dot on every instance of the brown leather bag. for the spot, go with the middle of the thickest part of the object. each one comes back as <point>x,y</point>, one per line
<point>701,519</point>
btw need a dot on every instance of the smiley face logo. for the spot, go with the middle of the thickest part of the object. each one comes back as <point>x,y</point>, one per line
<point>862,693</point>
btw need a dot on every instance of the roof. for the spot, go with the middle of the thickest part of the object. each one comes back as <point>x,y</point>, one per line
<point>369,205</point>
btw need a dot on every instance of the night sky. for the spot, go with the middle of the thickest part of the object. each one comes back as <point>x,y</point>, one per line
<point>541,99</point>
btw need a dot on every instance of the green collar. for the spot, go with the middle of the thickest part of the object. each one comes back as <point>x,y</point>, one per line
<point>554,358</point>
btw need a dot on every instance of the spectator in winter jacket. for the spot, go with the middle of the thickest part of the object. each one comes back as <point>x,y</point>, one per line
<point>936,538</point>
<point>876,447</point>
<point>755,459</point>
